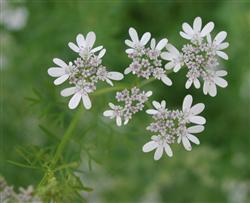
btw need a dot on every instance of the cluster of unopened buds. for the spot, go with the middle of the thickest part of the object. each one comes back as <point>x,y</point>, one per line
<point>201,57</point>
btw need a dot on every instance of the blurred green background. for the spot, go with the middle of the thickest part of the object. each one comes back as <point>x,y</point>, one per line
<point>110,157</point>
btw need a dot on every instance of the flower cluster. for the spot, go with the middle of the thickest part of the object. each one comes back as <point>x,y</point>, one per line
<point>146,61</point>
<point>200,56</point>
<point>171,126</point>
<point>8,195</point>
<point>133,100</point>
<point>84,72</point>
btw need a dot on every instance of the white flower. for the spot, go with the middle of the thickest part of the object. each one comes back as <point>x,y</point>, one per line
<point>160,45</point>
<point>174,126</point>
<point>214,78</point>
<point>115,112</point>
<point>134,101</point>
<point>135,43</point>
<point>191,112</point>
<point>62,72</point>
<point>78,94</point>
<point>196,33</point>
<point>159,107</point>
<point>187,137</point>
<point>160,144</point>
<point>13,17</point>
<point>84,46</point>
<point>174,56</point>
<point>193,79</point>
<point>217,44</point>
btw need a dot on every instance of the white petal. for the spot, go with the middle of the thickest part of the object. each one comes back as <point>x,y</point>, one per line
<point>212,90</point>
<point>187,103</point>
<point>61,79</point>
<point>197,109</point>
<point>205,88</point>
<point>188,84</point>
<point>68,91</point>
<point>168,150</point>
<point>86,101</point>
<point>166,80</point>
<point>209,39</point>
<point>148,147</point>
<point>158,153</point>
<point>197,83</point>
<point>187,29</point>
<point>118,121</point>
<point>222,46</point>
<point>172,49</point>
<point>90,39</point>
<point>179,140</point>
<point>145,38</point>
<point>169,65</point>
<point>115,75</point>
<point>60,62</point>
<point>80,40</point>
<point>74,47</point>
<point>222,54</point>
<point>163,104</point>
<point>156,104</point>
<point>149,93</point>
<point>196,129</point>
<point>96,49</point>
<point>151,111</point>
<point>108,113</point>
<point>101,53</point>
<point>197,120</point>
<point>167,56</point>
<point>177,67</point>
<point>126,122</point>
<point>111,105</point>
<point>185,36</point>
<point>129,51</point>
<point>109,82</point>
<point>186,143</point>
<point>129,43</point>
<point>127,70</point>
<point>75,100</point>
<point>161,44</point>
<point>221,73</point>
<point>56,72</point>
<point>133,34</point>
<point>220,37</point>
<point>220,82</point>
<point>207,29</point>
<point>152,43</point>
<point>193,139</point>
<point>197,24</point>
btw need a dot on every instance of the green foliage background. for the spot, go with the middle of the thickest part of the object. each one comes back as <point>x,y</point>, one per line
<point>110,158</point>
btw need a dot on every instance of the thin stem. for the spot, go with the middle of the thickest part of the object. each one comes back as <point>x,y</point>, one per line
<point>145,82</point>
<point>69,132</point>
<point>66,137</point>
<point>109,89</point>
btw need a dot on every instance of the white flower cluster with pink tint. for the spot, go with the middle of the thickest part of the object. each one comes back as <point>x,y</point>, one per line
<point>84,72</point>
<point>133,100</point>
<point>171,126</point>
<point>155,60</point>
<point>200,56</point>
<point>146,61</point>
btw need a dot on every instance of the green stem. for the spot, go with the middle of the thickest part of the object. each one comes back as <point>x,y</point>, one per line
<point>109,89</point>
<point>145,82</point>
<point>66,137</point>
<point>69,132</point>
